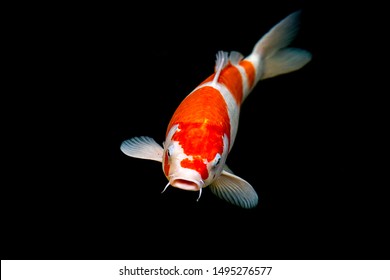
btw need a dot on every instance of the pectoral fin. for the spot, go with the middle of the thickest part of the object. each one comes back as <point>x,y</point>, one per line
<point>227,169</point>
<point>142,147</point>
<point>235,190</point>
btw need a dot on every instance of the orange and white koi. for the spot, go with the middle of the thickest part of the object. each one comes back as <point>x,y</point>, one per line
<point>203,128</point>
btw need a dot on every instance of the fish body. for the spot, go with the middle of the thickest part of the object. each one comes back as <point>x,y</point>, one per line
<point>203,128</point>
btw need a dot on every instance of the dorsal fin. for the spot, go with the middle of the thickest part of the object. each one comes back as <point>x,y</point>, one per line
<point>220,63</point>
<point>235,57</point>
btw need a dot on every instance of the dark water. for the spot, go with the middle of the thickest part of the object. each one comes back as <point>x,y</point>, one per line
<point>75,195</point>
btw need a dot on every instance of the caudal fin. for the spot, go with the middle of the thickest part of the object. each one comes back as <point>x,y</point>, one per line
<point>271,53</point>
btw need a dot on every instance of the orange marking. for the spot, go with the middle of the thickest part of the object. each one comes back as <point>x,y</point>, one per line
<point>231,78</point>
<point>250,71</point>
<point>204,106</point>
<point>203,120</point>
<point>200,140</point>
<point>196,164</point>
<point>166,164</point>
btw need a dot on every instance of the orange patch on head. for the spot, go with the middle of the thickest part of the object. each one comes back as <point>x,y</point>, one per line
<point>205,106</point>
<point>196,164</point>
<point>250,71</point>
<point>203,120</point>
<point>200,140</point>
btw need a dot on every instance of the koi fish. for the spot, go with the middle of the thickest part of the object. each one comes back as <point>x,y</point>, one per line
<point>203,128</point>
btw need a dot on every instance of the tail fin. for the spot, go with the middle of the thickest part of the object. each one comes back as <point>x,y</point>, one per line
<point>273,56</point>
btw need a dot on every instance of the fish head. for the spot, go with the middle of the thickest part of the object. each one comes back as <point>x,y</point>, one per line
<point>194,156</point>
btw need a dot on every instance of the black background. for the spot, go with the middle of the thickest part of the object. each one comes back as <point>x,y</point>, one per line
<point>99,74</point>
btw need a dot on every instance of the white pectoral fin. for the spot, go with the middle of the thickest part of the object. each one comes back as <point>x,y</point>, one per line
<point>142,147</point>
<point>235,190</point>
<point>227,169</point>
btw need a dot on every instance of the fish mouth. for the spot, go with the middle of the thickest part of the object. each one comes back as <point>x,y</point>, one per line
<point>186,184</point>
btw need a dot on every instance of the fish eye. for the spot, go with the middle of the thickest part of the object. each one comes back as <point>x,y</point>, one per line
<point>170,150</point>
<point>217,159</point>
